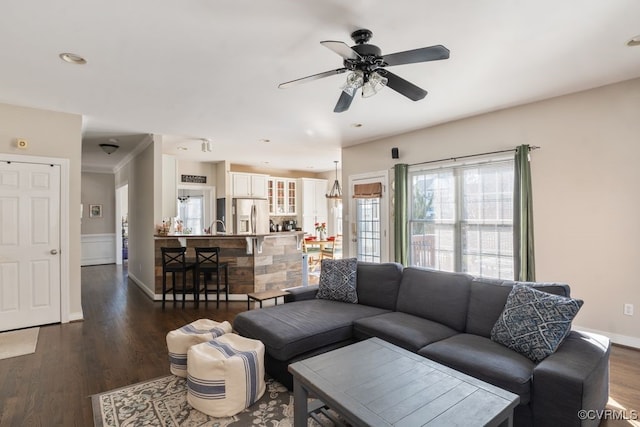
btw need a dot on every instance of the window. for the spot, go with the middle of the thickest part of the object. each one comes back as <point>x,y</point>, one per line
<point>461,218</point>
<point>191,212</point>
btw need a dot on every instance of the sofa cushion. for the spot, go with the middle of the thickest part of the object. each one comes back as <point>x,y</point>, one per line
<point>486,360</point>
<point>288,330</point>
<point>378,284</point>
<point>534,323</point>
<point>435,295</point>
<point>338,280</point>
<point>402,329</point>
<point>488,297</point>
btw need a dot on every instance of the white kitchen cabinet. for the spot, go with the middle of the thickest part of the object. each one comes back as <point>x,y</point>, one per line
<point>313,206</point>
<point>249,185</point>
<point>282,195</point>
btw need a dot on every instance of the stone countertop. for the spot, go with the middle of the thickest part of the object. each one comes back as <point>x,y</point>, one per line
<point>252,240</point>
<point>227,235</point>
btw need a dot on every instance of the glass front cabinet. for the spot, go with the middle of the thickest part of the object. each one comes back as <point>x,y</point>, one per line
<point>282,196</point>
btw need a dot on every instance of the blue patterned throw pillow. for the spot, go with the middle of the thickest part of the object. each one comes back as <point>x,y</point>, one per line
<point>338,280</point>
<point>534,323</point>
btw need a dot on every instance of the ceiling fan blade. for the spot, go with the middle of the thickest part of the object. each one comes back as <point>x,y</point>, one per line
<point>342,49</point>
<point>344,102</point>
<point>432,53</point>
<point>311,78</point>
<point>404,87</point>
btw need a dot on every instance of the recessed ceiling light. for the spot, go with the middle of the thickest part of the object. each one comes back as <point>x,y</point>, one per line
<point>181,148</point>
<point>635,41</point>
<point>356,125</point>
<point>72,58</point>
<point>265,140</point>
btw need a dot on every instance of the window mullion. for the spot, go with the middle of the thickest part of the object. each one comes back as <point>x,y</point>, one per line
<point>458,198</point>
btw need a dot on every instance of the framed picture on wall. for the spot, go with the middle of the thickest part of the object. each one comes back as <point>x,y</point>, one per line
<point>95,211</point>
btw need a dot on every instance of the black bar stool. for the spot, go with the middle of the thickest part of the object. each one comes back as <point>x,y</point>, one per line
<point>207,263</point>
<point>174,261</point>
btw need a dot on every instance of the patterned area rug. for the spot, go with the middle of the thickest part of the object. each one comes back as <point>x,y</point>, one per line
<point>163,402</point>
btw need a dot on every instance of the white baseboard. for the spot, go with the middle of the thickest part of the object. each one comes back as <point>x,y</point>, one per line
<point>615,338</point>
<point>139,283</point>
<point>97,249</point>
<point>189,297</point>
<point>75,317</point>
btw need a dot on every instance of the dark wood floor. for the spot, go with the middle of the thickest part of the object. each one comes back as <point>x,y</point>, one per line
<point>122,341</point>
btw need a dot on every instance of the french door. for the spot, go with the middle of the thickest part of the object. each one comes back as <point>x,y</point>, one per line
<point>29,244</point>
<point>369,220</point>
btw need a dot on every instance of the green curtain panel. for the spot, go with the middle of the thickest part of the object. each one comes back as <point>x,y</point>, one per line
<point>400,213</point>
<point>523,249</point>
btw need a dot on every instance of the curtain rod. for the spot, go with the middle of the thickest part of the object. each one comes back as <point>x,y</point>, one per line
<point>531,148</point>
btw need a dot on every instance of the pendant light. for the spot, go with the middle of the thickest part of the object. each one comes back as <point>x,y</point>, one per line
<point>336,191</point>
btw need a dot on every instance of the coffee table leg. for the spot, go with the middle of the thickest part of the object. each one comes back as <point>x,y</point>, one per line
<point>300,410</point>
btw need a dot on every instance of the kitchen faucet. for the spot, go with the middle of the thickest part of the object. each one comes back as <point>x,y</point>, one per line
<point>224,227</point>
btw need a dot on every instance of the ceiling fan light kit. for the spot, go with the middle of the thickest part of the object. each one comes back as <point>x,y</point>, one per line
<point>366,66</point>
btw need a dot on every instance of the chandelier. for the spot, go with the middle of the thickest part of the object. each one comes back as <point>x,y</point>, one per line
<point>336,191</point>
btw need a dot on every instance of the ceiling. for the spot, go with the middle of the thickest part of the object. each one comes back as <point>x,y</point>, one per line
<point>210,69</point>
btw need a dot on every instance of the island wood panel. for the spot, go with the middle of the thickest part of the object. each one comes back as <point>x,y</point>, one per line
<point>277,266</point>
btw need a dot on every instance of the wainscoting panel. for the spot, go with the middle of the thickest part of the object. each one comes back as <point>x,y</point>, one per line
<point>98,249</point>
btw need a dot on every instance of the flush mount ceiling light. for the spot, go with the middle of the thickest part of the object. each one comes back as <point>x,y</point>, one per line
<point>72,58</point>
<point>336,190</point>
<point>634,41</point>
<point>206,146</point>
<point>109,148</point>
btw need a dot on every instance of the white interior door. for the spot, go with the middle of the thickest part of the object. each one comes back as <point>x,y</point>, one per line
<point>29,244</point>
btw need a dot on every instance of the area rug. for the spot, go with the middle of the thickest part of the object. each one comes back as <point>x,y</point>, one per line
<point>18,343</point>
<point>163,402</point>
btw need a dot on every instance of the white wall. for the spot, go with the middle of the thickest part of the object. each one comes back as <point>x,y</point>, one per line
<point>52,134</point>
<point>141,174</point>
<point>585,188</point>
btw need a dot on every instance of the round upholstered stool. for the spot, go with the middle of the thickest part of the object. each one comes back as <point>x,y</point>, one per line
<point>179,341</point>
<point>226,375</point>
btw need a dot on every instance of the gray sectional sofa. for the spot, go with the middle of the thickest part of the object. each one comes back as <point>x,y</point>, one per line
<point>446,317</point>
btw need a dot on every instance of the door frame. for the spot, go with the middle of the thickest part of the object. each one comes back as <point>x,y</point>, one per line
<point>365,178</point>
<point>64,221</point>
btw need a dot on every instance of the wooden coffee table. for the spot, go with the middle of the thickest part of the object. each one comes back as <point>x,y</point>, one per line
<point>265,295</point>
<point>375,383</point>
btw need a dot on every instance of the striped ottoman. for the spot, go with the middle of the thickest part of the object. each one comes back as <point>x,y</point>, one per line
<point>179,341</point>
<point>226,375</point>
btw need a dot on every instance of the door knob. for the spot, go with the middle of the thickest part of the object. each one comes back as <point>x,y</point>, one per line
<point>54,251</point>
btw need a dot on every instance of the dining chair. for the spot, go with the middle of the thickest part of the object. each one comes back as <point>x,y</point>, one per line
<point>208,263</point>
<point>174,261</point>
<point>313,254</point>
<point>334,251</point>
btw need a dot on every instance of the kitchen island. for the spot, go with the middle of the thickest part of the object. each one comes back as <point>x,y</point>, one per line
<point>257,262</point>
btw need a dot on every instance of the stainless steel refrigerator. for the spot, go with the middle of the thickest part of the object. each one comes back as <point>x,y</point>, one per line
<point>250,216</point>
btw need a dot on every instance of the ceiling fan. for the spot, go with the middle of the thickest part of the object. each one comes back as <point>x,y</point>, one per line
<point>366,66</point>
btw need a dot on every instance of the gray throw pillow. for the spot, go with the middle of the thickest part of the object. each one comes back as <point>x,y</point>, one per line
<point>534,323</point>
<point>338,280</point>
